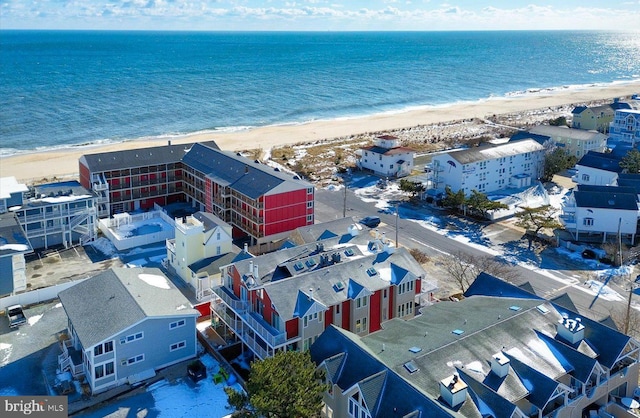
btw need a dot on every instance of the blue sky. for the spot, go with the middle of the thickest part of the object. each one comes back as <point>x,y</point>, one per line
<point>319,15</point>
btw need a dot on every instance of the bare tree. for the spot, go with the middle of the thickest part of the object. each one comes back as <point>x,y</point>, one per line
<point>627,319</point>
<point>463,268</point>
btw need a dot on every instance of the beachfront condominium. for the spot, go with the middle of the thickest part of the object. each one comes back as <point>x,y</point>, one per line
<point>260,202</point>
<point>489,167</point>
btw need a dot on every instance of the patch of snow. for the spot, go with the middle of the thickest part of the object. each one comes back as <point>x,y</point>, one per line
<point>104,246</point>
<point>5,353</point>
<point>58,305</point>
<point>181,307</point>
<point>62,199</point>
<point>603,292</point>
<point>33,319</point>
<point>14,247</point>
<point>475,366</point>
<point>201,326</point>
<point>385,274</point>
<point>154,280</point>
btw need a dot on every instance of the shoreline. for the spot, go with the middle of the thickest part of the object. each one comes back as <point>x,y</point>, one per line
<point>63,162</point>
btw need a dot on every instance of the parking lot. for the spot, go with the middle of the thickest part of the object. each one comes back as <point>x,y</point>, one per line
<point>29,354</point>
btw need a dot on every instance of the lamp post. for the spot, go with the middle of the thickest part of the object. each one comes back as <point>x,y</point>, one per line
<point>397,215</point>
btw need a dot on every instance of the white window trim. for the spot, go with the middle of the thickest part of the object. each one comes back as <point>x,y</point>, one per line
<point>134,360</point>
<point>131,338</point>
<point>178,346</point>
<point>177,324</point>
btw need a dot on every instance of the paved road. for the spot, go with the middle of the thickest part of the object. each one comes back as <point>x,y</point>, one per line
<point>547,275</point>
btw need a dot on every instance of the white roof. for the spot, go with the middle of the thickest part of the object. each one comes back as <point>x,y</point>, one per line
<point>9,185</point>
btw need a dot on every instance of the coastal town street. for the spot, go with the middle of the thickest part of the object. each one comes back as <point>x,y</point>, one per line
<point>549,273</point>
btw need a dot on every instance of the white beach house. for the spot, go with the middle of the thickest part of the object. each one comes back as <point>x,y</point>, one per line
<point>387,158</point>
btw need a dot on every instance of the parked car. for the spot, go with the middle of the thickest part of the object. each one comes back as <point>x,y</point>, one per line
<point>370,221</point>
<point>16,316</point>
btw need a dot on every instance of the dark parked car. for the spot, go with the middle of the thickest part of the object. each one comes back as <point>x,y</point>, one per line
<point>370,221</point>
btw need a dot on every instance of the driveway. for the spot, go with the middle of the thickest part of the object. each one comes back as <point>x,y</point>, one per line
<point>30,352</point>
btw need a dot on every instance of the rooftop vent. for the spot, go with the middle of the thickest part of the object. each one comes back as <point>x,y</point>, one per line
<point>335,257</point>
<point>453,390</point>
<point>500,364</point>
<point>352,230</point>
<point>571,330</point>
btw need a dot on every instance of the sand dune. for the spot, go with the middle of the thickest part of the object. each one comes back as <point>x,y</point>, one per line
<point>63,163</point>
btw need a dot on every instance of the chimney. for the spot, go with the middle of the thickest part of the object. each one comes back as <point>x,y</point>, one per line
<point>255,271</point>
<point>500,364</point>
<point>251,267</point>
<point>453,390</point>
<point>246,247</point>
<point>571,330</point>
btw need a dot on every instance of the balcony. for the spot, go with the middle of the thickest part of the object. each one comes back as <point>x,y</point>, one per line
<point>70,359</point>
<point>254,331</point>
<point>568,220</point>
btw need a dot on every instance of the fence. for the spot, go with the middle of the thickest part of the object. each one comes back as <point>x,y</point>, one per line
<point>36,296</point>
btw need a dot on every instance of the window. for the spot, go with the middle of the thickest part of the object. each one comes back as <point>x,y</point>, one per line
<point>98,371</point>
<point>97,350</point>
<point>585,177</point>
<point>310,204</point>
<point>136,359</point>
<point>131,338</point>
<point>177,346</point>
<point>587,221</point>
<point>108,368</point>
<point>108,346</point>
<point>310,190</point>
<point>361,302</point>
<point>177,324</point>
<point>361,325</point>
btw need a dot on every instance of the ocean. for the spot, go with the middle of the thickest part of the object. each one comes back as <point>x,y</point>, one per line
<point>72,88</point>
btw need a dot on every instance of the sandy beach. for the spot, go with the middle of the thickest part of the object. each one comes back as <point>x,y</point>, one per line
<point>63,163</point>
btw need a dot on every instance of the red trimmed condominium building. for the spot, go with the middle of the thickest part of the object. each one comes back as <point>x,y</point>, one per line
<point>259,201</point>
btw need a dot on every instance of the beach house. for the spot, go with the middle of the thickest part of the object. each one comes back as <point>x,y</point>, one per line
<point>285,299</point>
<point>499,352</point>
<point>625,128</point>
<point>62,213</point>
<point>488,167</point>
<point>596,118</point>
<point>575,142</point>
<point>202,244</point>
<point>598,168</point>
<point>13,246</point>
<point>260,202</point>
<point>601,213</point>
<point>124,324</point>
<point>386,157</point>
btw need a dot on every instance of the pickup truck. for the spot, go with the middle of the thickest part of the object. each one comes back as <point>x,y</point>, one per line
<point>16,316</point>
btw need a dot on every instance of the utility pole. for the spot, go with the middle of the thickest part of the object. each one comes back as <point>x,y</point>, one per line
<point>344,204</point>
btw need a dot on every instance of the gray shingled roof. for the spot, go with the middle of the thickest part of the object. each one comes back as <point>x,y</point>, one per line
<point>492,151</point>
<point>210,221</point>
<point>565,132</point>
<point>250,178</point>
<point>322,284</point>
<point>489,326</point>
<point>116,299</point>
<point>116,160</point>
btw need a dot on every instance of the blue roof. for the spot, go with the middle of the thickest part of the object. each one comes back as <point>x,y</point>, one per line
<point>398,274</point>
<point>540,386</point>
<point>580,364</point>
<point>488,402</point>
<point>488,285</point>
<point>303,304</point>
<point>608,343</point>
<point>354,289</point>
<point>579,109</point>
<point>607,197</point>
<point>602,161</point>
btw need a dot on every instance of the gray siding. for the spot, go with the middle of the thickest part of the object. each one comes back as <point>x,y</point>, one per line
<point>155,345</point>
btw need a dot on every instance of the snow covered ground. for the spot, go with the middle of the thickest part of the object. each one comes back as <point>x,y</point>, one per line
<point>183,398</point>
<point>366,189</point>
